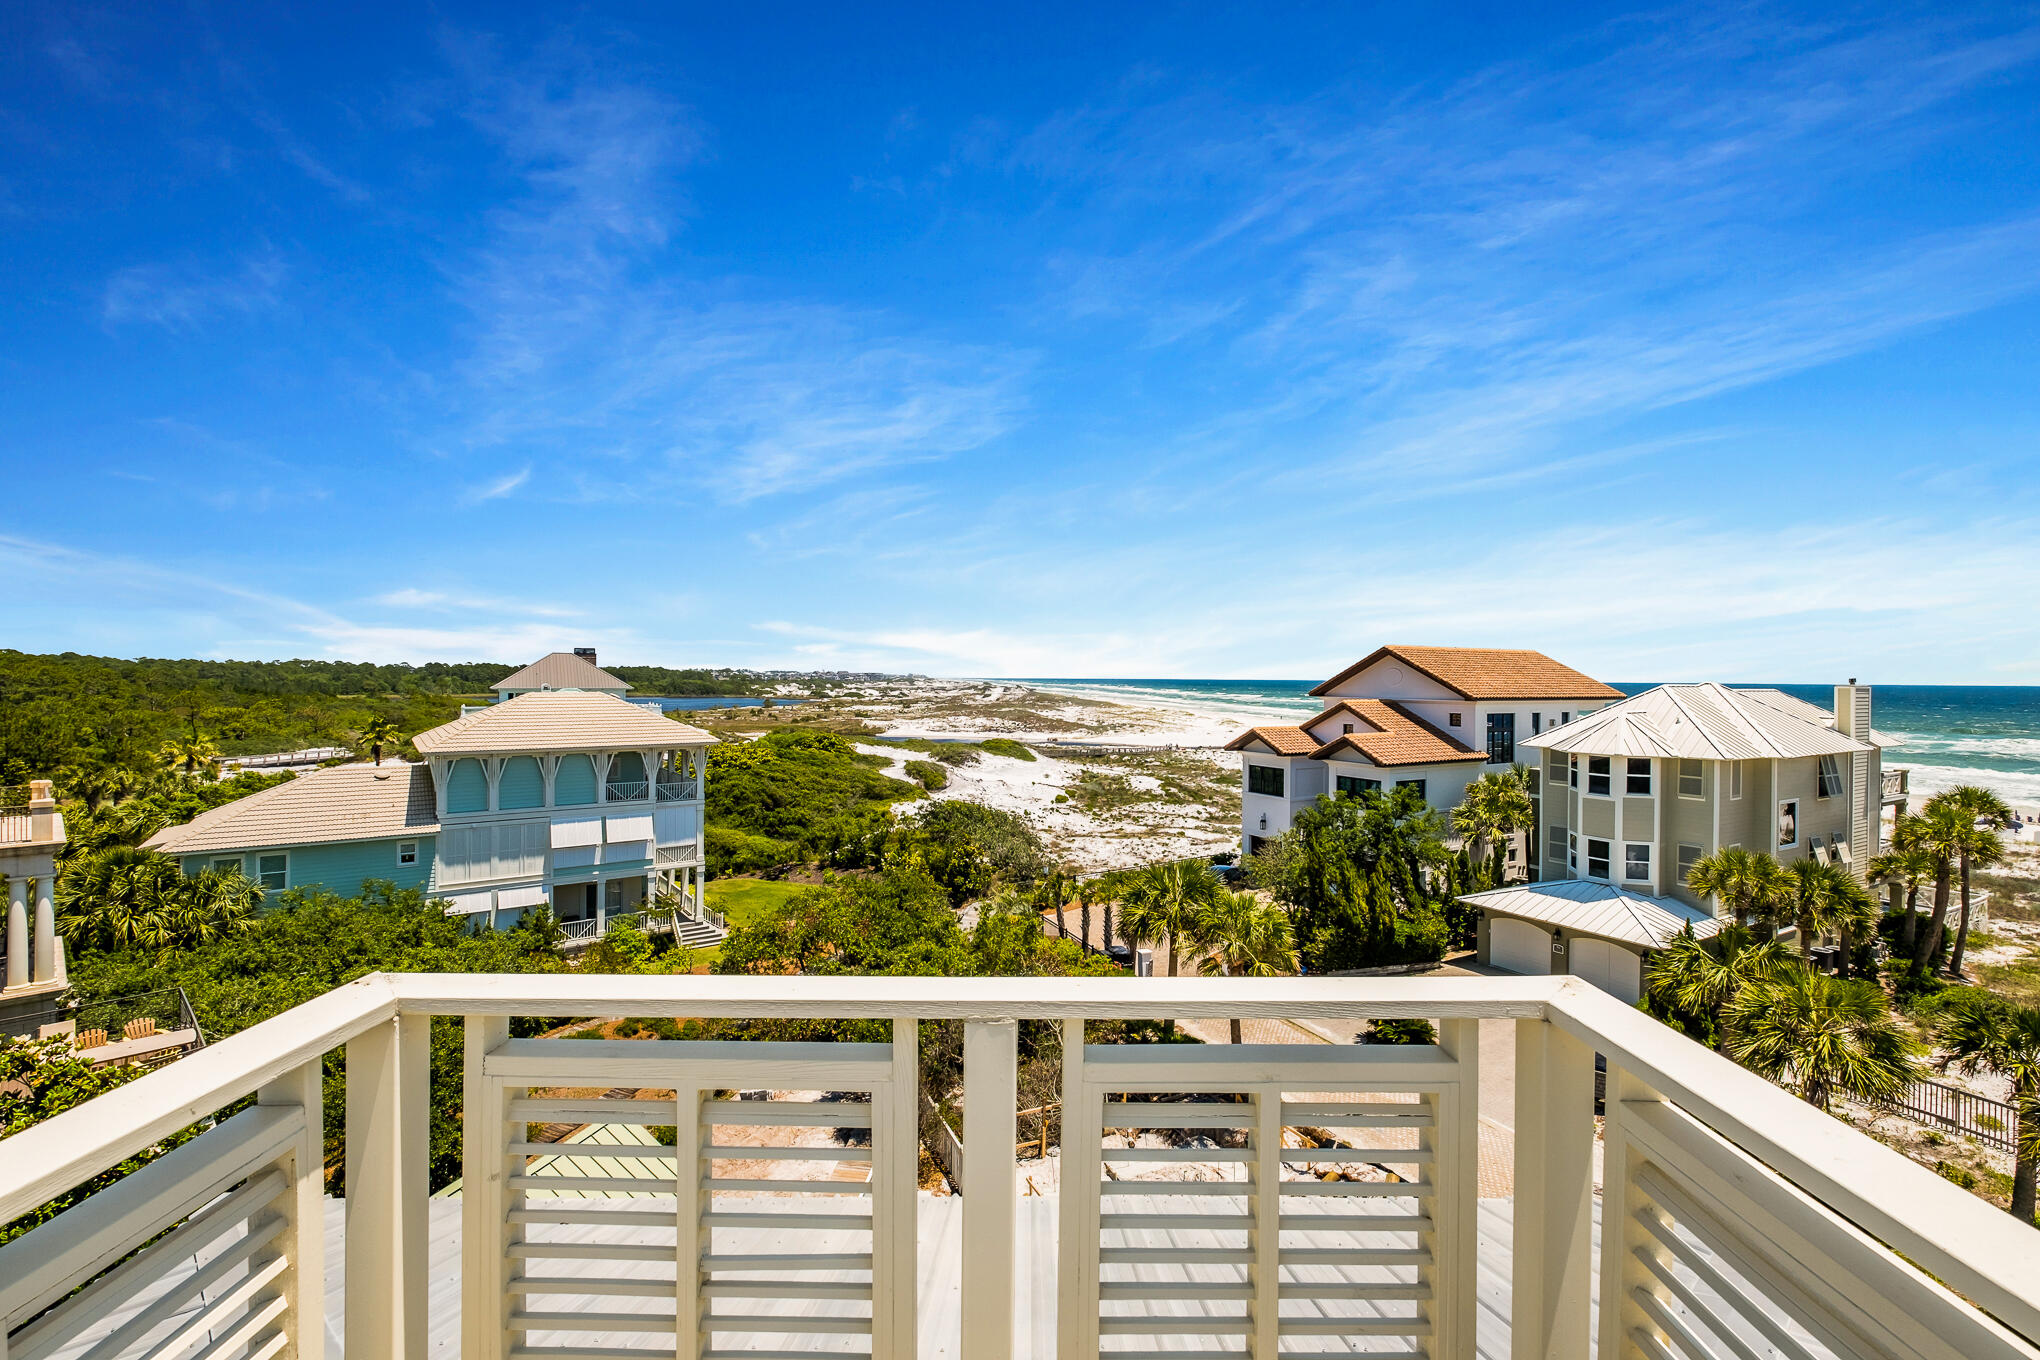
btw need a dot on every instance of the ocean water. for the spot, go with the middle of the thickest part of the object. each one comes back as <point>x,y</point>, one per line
<point>1945,734</point>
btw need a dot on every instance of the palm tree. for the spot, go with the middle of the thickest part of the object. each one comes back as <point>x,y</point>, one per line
<point>1941,832</point>
<point>1705,975</point>
<point>377,733</point>
<point>1823,897</point>
<point>1165,908</point>
<point>1248,938</point>
<point>1494,807</point>
<point>189,753</point>
<point>1749,883</point>
<point>1986,1033</point>
<point>1822,1036</point>
<point>1904,868</point>
<point>1987,814</point>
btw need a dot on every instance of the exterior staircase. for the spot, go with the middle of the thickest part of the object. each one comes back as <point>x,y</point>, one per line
<point>697,934</point>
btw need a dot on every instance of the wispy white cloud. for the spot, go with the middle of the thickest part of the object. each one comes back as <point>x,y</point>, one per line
<point>500,487</point>
<point>183,297</point>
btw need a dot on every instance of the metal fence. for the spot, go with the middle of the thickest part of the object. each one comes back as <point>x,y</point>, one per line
<point>1990,1122</point>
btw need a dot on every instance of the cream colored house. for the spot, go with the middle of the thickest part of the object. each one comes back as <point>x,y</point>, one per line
<point>1640,791</point>
<point>1430,717</point>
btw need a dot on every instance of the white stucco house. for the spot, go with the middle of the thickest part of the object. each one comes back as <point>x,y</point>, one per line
<point>1431,717</point>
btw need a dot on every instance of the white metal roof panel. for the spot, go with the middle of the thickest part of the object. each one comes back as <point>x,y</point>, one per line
<point>1701,722</point>
<point>1600,909</point>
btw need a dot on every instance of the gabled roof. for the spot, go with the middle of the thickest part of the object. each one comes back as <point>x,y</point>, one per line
<point>1702,722</point>
<point>1283,741</point>
<point>1384,733</point>
<point>558,720</point>
<point>560,670</point>
<point>1392,736</point>
<point>339,803</point>
<point>1601,909</point>
<point>1486,673</point>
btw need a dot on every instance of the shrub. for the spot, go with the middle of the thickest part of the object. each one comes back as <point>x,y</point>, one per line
<point>1006,746</point>
<point>928,774</point>
<point>1400,1032</point>
<point>1006,840</point>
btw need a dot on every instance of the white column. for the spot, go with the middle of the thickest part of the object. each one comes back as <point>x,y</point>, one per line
<point>484,1196</point>
<point>303,1284</point>
<point>1455,1197</point>
<point>1077,1233</point>
<point>17,932</point>
<point>388,1127</point>
<point>895,1158</point>
<point>45,929</point>
<point>1551,1292</point>
<point>990,1127</point>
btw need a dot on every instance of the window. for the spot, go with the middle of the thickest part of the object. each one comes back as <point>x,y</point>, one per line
<point>1533,781</point>
<point>1735,779</point>
<point>1345,727</point>
<point>1416,784</point>
<point>1597,859</point>
<point>273,871</point>
<point>1256,844</point>
<point>1452,719</point>
<point>1564,718</point>
<point>407,852</point>
<point>1353,786</point>
<point>1555,843</point>
<point>1265,779</point>
<point>1598,780</point>
<point>1692,779</point>
<point>1788,823</point>
<point>1536,723</point>
<point>1572,771</point>
<point>1830,777</point>
<point>1635,863</point>
<point>1689,855</point>
<point>227,866</point>
<point>1639,776</point>
<point>1501,738</point>
<point>1572,851</point>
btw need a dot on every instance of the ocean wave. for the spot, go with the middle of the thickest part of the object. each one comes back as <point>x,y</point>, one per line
<point>2015,786</point>
<point>2004,747</point>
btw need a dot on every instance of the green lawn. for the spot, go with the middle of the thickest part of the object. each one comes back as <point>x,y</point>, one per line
<point>740,900</point>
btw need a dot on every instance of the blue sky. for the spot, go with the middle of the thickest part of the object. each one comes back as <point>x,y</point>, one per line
<point>1685,342</point>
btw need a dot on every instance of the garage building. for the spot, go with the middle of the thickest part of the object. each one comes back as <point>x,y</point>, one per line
<point>1591,930</point>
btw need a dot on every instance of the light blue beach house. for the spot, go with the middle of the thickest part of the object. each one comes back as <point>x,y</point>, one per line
<point>573,797</point>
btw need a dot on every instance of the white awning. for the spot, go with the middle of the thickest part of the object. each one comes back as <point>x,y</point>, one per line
<point>619,852</point>
<point>469,903</point>
<point>631,827</point>
<point>573,857</point>
<point>568,831</point>
<point>509,899</point>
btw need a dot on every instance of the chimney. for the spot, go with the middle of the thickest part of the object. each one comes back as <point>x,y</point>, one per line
<point>1852,710</point>
<point>587,654</point>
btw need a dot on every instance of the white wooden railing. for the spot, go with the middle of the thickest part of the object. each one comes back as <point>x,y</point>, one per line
<point>1738,1221</point>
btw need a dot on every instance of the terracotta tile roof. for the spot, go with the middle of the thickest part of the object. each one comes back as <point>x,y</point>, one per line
<point>560,670</point>
<point>558,720</point>
<point>1398,737</point>
<point>1283,741</point>
<point>1486,673</point>
<point>340,803</point>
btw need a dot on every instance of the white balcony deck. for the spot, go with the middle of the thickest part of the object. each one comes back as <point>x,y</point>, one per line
<point>1751,1225</point>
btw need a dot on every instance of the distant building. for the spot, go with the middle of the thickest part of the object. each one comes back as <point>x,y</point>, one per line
<point>31,834</point>
<point>574,797</point>
<point>561,670</point>
<point>1643,789</point>
<point>1429,717</point>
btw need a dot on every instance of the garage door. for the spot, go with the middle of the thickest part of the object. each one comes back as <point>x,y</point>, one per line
<point>1518,946</point>
<point>1608,966</point>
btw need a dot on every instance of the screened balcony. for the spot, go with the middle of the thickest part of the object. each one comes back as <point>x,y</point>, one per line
<point>1258,1200</point>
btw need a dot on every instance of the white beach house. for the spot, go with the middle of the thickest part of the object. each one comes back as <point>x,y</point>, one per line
<point>1638,793</point>
<point>1429,717</point>
<point>573,797</point>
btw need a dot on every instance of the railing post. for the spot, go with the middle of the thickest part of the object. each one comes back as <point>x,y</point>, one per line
<point>1550,1290</point>
<point>895,1202</point>
<point>1455,1202</point>
<point>389,1085</point>
<point>990,1127</point>
<point>484,1195</point>
<point>1622,1237</point>
<point>303,1284</point>
<point>1076,1320</point>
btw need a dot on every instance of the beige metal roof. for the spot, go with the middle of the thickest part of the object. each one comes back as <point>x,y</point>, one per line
<point>1702,722</point>
<point>341,803</point>
<point>561,670</point>
<point>558,720</point>
<point>1600,909</point>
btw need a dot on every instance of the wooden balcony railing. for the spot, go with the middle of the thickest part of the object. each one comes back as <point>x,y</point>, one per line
<point>1735,1220</point>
